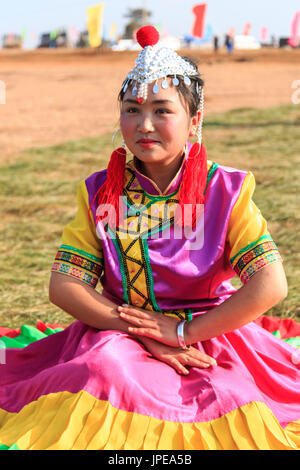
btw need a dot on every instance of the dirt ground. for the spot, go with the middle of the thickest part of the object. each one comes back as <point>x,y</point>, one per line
<point>54,96</point>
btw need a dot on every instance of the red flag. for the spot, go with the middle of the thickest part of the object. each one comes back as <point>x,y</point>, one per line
<point>199,21</point>
<point>231,32</point>
<point>247,29</point>
<point>293,41</point>
<point>263,34</point>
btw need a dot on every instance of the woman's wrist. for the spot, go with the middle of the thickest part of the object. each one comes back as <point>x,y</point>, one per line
<point>188,333</point>
<point>182,335</point>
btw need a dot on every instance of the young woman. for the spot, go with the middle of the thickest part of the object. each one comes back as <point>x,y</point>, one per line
<point>168,356</point>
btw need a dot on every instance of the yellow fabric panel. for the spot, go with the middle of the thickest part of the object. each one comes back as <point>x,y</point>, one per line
<point>251,245</point>
<point>80,255</point>
<point>246,223</point>
<point>81,232</point>
<point>65,421</point>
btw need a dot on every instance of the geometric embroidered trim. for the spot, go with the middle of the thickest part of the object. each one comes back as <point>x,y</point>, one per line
<point>256,259</point>
<point>75,272</point>
<point>79,261</point>
<point>258,264</point>
<point>252,254</point>
<point>247,248</point>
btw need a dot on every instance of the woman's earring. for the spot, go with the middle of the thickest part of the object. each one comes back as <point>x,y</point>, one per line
<point>123,145</point>
<point>115,135</point>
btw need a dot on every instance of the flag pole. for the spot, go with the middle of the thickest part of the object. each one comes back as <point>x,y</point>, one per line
<point>144,18</point>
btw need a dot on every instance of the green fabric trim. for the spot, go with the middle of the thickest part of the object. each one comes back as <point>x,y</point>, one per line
<point>211,174</point>
<point>28,334</point>
<point>50,331</point>
<point>189,315</point>
<point>12,447</point>
<point>251,245</point>
<point>161,198</point>
<point>150,275</point>
<point>276,333</point>
<point>295,341</point>
<point>134,211</point>
<point>84,253</point>
<point>122,268</point>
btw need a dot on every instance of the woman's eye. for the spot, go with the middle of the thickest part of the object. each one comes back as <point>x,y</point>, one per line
<point>131,110</point>
<point>162,111</point>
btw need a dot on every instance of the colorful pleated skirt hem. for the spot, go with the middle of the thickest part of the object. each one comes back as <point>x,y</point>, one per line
<point>77,389</point>
<point>81,422</point>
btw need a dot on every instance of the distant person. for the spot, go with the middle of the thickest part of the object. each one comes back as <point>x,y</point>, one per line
<point>216,43</point>
<point>229,43</point>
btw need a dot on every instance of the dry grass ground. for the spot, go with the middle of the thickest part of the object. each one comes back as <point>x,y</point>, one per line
<point>37,198</point>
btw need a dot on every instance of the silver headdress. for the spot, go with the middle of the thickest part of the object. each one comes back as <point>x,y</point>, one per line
<point>155,62</point>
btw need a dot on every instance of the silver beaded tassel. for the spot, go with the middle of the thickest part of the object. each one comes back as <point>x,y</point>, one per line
<point>142,92</point>
<point>201,108</point>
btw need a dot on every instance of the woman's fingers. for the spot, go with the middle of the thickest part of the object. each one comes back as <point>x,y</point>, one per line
<point>182,361</point>
<point>136,320</point>
<point>153,325</point>
<point>135,311</point>
<point>195,358</point>
<point>177,365</point>
<point>181,364</point>
<point>202,358</point>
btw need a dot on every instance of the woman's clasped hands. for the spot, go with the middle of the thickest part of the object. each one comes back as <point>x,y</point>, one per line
<point>158,333</point>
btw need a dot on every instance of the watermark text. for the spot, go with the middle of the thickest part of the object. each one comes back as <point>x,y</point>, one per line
<point>296,94</point>
<point>2,92</point>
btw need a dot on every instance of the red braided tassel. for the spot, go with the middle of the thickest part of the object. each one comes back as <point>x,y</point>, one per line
<point>112,189</point>
<point>193,182</point>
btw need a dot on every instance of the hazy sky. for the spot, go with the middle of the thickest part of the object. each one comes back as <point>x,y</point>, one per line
<point>175,15</point>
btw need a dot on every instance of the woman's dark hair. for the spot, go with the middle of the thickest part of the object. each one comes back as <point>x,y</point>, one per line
<point>189,93</point>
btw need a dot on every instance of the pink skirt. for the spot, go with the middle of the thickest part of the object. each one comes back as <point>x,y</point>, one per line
<point>81,388</point>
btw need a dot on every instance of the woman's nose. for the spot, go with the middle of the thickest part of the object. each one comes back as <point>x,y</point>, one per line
<point>145,124</point>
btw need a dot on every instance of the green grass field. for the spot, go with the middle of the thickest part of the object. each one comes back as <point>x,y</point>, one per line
<point>37,199</point>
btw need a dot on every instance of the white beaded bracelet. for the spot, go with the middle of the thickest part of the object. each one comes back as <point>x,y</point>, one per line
<point>180,334</point>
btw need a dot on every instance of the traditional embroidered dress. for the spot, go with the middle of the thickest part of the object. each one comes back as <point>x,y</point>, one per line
<point>82,388</point>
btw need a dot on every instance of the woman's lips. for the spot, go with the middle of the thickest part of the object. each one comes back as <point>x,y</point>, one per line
<point>147,142</point>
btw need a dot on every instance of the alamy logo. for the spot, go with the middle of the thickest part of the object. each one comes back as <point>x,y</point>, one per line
<point>2,352</point>
<point>2,92</point>
<point>193,237</point>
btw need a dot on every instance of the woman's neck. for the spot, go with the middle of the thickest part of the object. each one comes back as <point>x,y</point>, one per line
<point>161,174</point>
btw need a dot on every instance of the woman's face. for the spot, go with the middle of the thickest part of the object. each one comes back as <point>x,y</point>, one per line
<point>157,130</point>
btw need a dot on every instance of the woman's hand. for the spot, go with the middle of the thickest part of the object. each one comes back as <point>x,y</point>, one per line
<point>179,359</point>
<point>154,325</point>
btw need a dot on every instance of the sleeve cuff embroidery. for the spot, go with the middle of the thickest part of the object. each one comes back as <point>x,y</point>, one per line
<point>255,259</point>
<point>78,265</point>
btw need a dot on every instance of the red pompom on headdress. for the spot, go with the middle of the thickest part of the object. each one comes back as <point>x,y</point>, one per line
<point>147,36</point>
